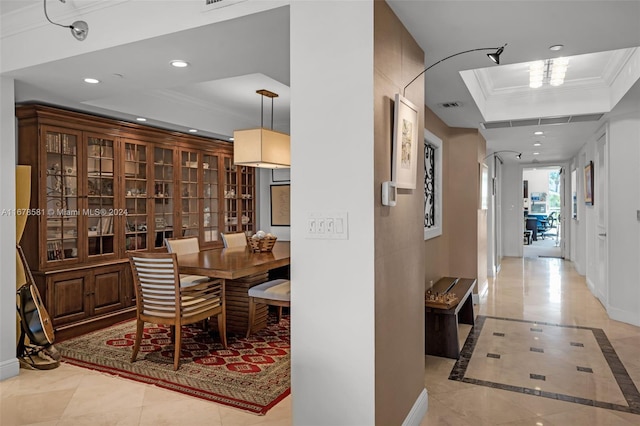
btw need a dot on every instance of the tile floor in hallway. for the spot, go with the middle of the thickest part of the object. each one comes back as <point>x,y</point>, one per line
<point>544,292</point>
<point>539,291</point>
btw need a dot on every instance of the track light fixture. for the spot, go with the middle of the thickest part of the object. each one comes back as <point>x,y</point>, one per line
<point>495,58</point>
<point>79,29</point>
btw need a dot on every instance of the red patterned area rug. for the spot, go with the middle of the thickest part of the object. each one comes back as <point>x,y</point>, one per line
<point>251,375</point>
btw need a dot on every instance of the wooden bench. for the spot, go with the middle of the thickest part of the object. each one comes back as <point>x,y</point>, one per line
<point>441,320</point>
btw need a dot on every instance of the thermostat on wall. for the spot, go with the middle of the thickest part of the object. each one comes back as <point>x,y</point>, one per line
<point>389,193</point>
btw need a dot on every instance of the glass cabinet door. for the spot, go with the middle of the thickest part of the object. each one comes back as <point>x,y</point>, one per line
<point>135,194</point>
<point>61,216</point>
<point>189,193</point>
<point>247,185</point>
<point>230,193</point>
<point>163,195</point>
<point>211,207</point>
<point>100,196</point>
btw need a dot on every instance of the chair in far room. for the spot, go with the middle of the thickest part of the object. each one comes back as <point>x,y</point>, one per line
<point>237,239</point>
<point>185,245</point>
<point>160,299</point>
<point>274,293</point>
<point>532,225</point>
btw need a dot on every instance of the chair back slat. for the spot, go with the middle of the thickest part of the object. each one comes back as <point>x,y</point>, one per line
<point>157,283</point>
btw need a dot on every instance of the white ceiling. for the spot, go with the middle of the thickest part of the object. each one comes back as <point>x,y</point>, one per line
<point>231,60</point>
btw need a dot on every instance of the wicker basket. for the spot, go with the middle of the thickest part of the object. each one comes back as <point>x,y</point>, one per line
<point>261,245</point>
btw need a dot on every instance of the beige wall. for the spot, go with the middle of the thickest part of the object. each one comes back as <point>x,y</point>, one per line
<point>461,250</point>
<point>436,259</point>
<point>399,244</point>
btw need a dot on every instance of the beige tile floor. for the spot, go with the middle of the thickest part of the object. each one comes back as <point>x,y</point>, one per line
<point>547,290</point>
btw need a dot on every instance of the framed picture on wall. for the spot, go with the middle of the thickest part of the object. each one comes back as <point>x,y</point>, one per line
<point>280,175</point>
<point>280,205</point>
<point>405,143</point>
<point>588,184</point>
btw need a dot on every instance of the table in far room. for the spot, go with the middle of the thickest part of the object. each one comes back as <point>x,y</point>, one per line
<point>241,269</point>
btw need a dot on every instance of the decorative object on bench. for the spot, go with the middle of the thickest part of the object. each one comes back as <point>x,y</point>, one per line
<point>261,241</point>
<point>440,300</point>
<point>452,303</point>
<point>274,292</point>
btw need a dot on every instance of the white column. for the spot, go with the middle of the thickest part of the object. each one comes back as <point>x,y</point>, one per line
<point>332,152</point>
<point>9,365</point>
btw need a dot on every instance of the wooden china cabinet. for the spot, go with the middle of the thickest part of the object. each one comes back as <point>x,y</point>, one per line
<point>103,188</point>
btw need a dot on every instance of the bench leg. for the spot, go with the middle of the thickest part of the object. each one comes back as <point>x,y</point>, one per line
<point>441,335</point>
<point>465,315</point>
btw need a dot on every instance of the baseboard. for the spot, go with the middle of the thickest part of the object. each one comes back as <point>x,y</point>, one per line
<point>419,409</point>
<point>482,291</point>
<point>9,368</point>
<point>591,287</point>
<point>621,315</point>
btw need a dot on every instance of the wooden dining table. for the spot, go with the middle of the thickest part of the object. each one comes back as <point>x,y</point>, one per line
<point>241,269</point>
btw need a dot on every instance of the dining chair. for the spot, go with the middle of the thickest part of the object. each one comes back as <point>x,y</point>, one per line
<point>160,299</point>
<point>185,245</point>
<point>237,239</point>
<point>274,293</point>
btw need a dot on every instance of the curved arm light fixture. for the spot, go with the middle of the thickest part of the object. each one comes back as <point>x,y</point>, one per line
<point>79,29</point>
<point>495,58</point>
<point>518,156</point>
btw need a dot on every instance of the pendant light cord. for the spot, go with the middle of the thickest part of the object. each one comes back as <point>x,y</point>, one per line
<point>262,111</point>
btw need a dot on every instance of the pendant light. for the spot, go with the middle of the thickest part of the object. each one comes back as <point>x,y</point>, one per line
<point>264,148</point>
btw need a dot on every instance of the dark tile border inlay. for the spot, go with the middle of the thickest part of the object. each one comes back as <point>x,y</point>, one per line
<point>579,345</point>
<point>539,350</point>
<point>499,334</point>
<point>537,330</point>
<point>537,376</point>
<point>584,369</point>
<point>490,355</point>
<point>627,387</point>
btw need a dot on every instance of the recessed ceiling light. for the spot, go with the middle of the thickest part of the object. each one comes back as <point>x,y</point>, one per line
<point>536,153</point>
<point>193,131</point>
<point>141,119</point>
<point>179,63</point>
<point>91,80</point>
<point>231,139</point>
<point>556,47</point>
<point>538,133</point>
<point>537,144</point>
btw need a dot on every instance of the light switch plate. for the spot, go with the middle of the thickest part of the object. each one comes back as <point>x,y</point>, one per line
<point>330,225</point>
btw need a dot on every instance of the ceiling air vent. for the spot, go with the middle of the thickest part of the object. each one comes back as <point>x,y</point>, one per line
<point>541,121</point>
<point>555,120</point>
<point>586,117</point>
<point>497,125</point>
<point>454,104</point>
<point>215,4</point>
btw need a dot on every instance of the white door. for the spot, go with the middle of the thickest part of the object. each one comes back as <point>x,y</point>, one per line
<point>600,201</point>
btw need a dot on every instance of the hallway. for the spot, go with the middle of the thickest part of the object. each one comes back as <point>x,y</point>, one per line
<point>543,292</point>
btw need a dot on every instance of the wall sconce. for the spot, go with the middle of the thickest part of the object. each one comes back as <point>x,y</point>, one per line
<point>518,156</point>
<point>79,29</point>
<point>407,141</point>
<point>264,148</point>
